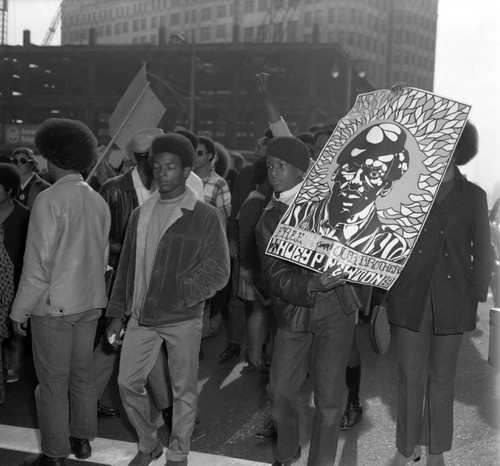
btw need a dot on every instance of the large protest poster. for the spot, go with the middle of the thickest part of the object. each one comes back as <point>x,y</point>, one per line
<point>363,204</point>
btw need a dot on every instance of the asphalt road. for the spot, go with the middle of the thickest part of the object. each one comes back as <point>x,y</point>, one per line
<point>233,406</point>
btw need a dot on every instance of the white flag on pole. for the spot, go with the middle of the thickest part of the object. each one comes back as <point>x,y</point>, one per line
<point>139,108</point>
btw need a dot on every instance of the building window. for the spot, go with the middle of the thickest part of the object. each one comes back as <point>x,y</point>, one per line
<point>291,31</point>
<point>193,16</point>
<point>206,14</point>
<point>262,5</point>
<point>144,40</point>
<point>261,33</point>
<point>154,22</point>
<point>331,15</point>
<point>249,6</point>
<point>163,20</point>
<point>154,39</point>
<point>175,19</point>
<point>125,27</point>
<point>278,32</point>
<point>144,24</point>
<point>186,17</point>
<point>308,19</point>
<point>135,40</point>
<point>221,11</point>
<point>248,34</point>
<point>118,28</point>
<point>205,34</point>
<point>220,32</point>
<point>135,25</point>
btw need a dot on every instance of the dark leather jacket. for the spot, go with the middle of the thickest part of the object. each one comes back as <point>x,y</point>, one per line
<point>32,190</point>
<point>120,195</point>
<point>293,305</point>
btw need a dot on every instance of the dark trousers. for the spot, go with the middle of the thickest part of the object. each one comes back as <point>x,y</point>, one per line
<point>323,351</point>
<point>65,395</point>
<point>426,369</point>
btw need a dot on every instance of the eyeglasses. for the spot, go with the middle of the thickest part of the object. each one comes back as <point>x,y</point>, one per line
<point>201,153</point>
<point>21,161</point>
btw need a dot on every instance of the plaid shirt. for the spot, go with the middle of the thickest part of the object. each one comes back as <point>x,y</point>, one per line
<point>217,194</point>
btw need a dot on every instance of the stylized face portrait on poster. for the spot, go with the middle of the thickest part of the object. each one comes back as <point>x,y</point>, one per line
<point>364,202</point>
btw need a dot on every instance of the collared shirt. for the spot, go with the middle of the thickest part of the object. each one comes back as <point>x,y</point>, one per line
<point>288,196</point>
<point>26,183</point>
<point>217,194</point>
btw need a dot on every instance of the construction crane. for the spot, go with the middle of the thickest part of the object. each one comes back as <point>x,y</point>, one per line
<point>4,13</point>
<point>49,35</point>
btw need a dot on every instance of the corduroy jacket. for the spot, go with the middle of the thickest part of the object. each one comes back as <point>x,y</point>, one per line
<point>292,304</point>
<point>452,259</point>
<point>191,263</point>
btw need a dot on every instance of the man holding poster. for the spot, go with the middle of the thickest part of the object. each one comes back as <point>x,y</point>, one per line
<point>315,314</point>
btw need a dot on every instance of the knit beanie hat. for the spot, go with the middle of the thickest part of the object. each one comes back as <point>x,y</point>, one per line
<point>175,144</point>
<point>291,150</point>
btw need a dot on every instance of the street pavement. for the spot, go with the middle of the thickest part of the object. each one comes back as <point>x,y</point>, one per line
<point>233,406</point>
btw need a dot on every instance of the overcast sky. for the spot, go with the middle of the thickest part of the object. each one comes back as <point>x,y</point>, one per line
<point>467,66</point>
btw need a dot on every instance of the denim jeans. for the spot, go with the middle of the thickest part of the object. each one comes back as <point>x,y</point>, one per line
<point>140,349</point>
<point>323,351</point>
<point>65,396</point>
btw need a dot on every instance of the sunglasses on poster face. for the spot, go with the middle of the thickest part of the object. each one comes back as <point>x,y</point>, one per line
<point>21,161</point>
<point>201,153</point>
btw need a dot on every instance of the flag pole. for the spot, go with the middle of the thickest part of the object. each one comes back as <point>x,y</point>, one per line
<point>108,147</point>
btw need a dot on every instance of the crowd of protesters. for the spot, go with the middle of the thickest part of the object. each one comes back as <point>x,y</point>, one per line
<point>172,251</point>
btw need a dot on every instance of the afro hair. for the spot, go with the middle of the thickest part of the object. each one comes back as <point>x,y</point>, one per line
<point>10,179</point>
<point>260,171</point>
<point>305,137</point>
<point>209,145</point>
<point>68,144</point>
<point>467,145</point>
<point>193,139</point>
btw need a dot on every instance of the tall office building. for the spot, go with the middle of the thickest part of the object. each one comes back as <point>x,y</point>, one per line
<point>389,40</point>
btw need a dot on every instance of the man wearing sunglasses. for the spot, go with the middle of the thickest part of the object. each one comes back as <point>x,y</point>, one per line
<point>31,184</point>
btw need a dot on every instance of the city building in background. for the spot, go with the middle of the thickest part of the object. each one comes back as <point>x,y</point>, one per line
<point>210,87</point>
<point>391,40</point>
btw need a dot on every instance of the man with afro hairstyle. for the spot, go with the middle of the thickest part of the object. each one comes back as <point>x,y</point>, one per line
<point>175,257</point>
<point>62,291</point>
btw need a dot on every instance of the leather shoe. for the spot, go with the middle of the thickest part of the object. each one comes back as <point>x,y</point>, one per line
<point>43,460</point>
<point>289,462</point>
<point>143,459</point>
<point>232,351</point>
<point>352,415</point>
<point>106,411</point>
<point>269,432</point>
<point>80,447</point>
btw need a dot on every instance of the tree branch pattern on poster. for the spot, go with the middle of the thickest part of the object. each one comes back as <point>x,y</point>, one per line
<point>364,202</point>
